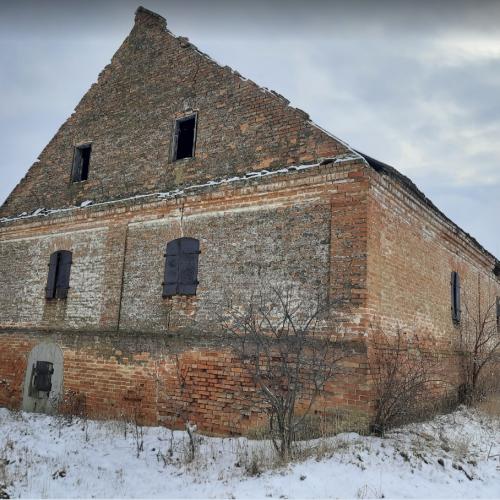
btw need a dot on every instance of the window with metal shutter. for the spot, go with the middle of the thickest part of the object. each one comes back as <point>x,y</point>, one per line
<point>455,297</point>
<point>59,273</point>
<point>498,314</point>
<point>181,267</point>
<point>63,272</point>
<point>50,289</point>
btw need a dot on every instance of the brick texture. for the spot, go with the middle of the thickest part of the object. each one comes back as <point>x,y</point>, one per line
<point>339,229</point>
<point>129,116</point>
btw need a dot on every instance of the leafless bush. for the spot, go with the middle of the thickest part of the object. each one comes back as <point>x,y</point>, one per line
<point>138,432</point>
<point>403,375</point>
<point>183,408</point>
<point>479,346</point>
<point>291,349</point>
<point>74,404</point>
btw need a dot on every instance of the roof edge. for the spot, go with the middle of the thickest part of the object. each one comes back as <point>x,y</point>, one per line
<point>190,189</point>
<point>385,169</point>
<point>143,15</point>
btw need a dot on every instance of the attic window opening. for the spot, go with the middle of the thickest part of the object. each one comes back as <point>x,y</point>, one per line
<point>81,162</point>
<point>185,137</point>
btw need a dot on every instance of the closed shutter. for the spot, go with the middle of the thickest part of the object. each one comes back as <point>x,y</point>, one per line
<point>455,297</point>
<point>63,273</point>
<point>188,269</point>
<point>458,305</point>
<point>498,314</point>
<point>50,289</point>
<point>181,267</point>
<point>171,275</point>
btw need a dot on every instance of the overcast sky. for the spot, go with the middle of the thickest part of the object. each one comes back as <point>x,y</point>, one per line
<point>416,84</point>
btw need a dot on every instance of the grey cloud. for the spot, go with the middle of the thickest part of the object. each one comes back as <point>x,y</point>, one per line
<point>379,75</point>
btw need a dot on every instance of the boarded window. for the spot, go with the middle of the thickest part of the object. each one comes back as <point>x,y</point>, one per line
<point>455,297</point>
<point>42,377</point>
<point>81,163</point>
<point>185,137</point>
<point>181,267</point>
<point>58,278</point>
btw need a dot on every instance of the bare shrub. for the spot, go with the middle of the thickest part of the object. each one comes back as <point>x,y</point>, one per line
<point>326,423</point>
<point>183,409</point>
<point>403,376</point>
<point>74,404</point>
<point>138,432</point>
<point>491,405</point>
<point>291,350</point>
<point>479,346</point>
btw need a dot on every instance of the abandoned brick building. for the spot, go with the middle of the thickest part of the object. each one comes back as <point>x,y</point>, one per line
<point>177,182</point>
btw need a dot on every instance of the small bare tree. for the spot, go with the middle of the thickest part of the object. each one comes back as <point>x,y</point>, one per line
<point>402,375</point>
<point>479,342</point>
<point>291,351</point>
<point>183,408</point>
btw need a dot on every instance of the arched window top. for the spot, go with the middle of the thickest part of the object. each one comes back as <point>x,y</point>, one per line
<point>181,267</point>
<point>58,277</point>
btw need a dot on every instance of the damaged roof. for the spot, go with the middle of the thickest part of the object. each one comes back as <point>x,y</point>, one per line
<point>385,169</point>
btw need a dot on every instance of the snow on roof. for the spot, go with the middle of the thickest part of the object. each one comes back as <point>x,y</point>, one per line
<point>185,191</point>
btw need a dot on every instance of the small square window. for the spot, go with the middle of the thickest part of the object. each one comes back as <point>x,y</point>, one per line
<point>185,138</point>
<point>81,163</point>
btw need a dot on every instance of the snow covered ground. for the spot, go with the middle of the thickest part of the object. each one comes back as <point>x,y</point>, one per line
<point>452,456</point>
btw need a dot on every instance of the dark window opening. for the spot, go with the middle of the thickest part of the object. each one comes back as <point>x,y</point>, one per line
<point>181,267</point>
<point>185,136</point>
<point>59,272</point>
<point>81,162</point>
<point>41,377</point>
<point>455,297</point>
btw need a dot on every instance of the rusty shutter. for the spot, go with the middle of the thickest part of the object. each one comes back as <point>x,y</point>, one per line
<point>50,289</point>
<point>63,272</point>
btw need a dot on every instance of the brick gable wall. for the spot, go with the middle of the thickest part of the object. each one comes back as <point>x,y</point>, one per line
<point>129,116</point>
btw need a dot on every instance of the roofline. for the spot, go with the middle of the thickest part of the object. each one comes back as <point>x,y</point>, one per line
<point>395,174</point>
<point>189,189</point>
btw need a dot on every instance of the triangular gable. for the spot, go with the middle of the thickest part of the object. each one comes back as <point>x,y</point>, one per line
<point>129,118</point>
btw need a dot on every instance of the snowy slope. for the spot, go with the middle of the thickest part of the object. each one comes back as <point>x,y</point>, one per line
<point>452,456</point>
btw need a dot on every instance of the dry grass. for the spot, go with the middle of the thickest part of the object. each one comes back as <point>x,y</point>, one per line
<point>491,405</point>
<point>322,424</point>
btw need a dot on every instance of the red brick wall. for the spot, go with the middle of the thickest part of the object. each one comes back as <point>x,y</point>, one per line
<point>299,229</point>
<point>412,251</point>
<point>340,228</point>
<point>411,254</point>
<point>129,116</point>
<point>304,230</point>
<point>123,380</point>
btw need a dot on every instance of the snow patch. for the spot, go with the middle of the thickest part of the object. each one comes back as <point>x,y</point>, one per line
<point>182,192</point>
<point>451,456</point>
